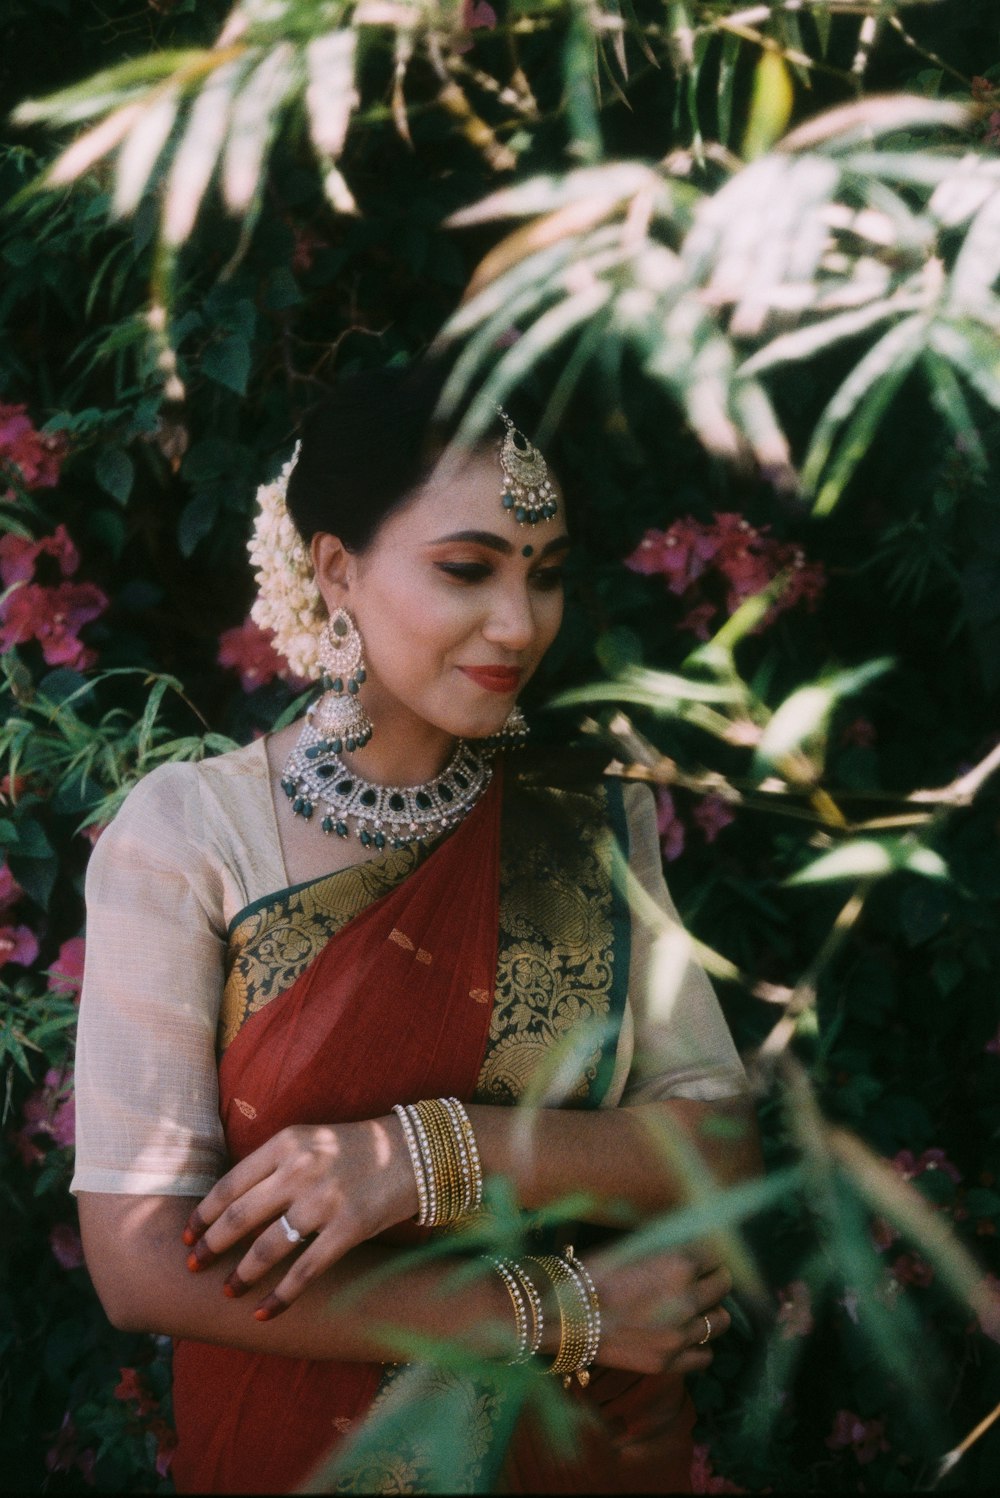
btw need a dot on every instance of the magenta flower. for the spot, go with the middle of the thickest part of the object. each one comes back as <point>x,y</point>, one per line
<point>911,1269</point>
<point>669,825</point>
<point>18,555</point>
<point>476,13</point>
<point>67,1452</point>
<point>18,944</point>
<point>66,973</point>
<point>53,617</point>
<point>712,814</point>
<point>35,456</point>
<point>131,1388</point>
<point>867,1437</point>
<point>704,1479</point>
<point>681,554</point>
<point>10,890</point>
<point>248,649</point>
<point>932,1159</point>
<point>795,1318</point>
<point>48,1113</point>
<point>698,619</point>
<point>67,1249</point>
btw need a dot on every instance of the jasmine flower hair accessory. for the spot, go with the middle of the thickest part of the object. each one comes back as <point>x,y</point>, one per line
<point>288,602</point>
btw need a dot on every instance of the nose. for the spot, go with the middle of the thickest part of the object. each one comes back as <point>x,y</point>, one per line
<point>511,620</point>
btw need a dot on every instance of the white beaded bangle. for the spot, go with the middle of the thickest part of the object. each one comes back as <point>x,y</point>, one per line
<point>429,1218</point>
<point>415,1160</point>
<point>516,1294</point>
<point>592,1304</point>
<point>534,1300</point>
<point>472,1171</point>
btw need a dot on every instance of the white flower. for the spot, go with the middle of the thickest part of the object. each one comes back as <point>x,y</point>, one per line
<point>288,601</point>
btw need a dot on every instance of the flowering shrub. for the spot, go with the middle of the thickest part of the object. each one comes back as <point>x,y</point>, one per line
<point>126,641</point>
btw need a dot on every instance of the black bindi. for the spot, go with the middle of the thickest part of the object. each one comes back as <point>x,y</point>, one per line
<point>527,551</point>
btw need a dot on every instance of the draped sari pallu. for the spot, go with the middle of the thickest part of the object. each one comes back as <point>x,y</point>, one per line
<point>450,971</point>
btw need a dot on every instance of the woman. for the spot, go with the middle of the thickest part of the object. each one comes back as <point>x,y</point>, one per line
<point>283,1014</point>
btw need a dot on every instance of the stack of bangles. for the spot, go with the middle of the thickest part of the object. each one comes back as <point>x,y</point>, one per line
<point>449,1181</point>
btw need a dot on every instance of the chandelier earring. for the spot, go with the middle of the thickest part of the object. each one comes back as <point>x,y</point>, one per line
<point>513,732</point>
<point>339,716</point>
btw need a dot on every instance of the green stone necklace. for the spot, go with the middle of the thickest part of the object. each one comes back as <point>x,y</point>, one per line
<point>316,778</point>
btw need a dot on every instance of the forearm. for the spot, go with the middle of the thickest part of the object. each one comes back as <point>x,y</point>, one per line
<point>137,1261</point>
<point>628,1159</point>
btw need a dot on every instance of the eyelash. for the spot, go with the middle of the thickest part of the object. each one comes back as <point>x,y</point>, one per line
<point>546,578</point>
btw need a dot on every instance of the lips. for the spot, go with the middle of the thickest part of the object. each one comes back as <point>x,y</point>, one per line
<point>494,678</point>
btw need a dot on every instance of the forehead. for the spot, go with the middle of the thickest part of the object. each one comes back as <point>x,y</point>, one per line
<point>465,492</point>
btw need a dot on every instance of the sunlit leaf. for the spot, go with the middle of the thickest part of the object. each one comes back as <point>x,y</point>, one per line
<point>255,118</point>
<point>141,151</point>
<point>871,858</point>
<point>198,153</point>
<point>770,106</point>
<point>330,93</point>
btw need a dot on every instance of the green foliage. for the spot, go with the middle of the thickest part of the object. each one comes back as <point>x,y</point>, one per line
<point>266,198</point>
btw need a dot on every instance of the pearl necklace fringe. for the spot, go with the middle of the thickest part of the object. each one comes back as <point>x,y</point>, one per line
<point>392,815</point>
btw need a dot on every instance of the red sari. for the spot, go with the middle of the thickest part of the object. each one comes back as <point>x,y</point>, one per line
<point>346,995</point>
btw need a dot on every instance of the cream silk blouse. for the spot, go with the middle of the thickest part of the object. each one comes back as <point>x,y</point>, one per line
<point>191,847</point>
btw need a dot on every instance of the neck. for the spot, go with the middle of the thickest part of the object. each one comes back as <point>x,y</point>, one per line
<point>402,752</point>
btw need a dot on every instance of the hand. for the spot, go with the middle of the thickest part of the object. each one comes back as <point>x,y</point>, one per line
<point>653,1311</point>
<point>337,1185</point>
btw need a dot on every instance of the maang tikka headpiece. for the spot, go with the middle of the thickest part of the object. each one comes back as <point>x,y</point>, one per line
<point>528,493</point>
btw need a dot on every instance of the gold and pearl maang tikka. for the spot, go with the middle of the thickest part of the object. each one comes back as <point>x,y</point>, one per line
<point>528,492</point>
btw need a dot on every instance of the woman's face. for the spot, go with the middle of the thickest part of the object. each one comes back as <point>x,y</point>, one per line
<point>456,603</point>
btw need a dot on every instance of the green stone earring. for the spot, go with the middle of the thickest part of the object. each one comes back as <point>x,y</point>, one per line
<point>339,716</point>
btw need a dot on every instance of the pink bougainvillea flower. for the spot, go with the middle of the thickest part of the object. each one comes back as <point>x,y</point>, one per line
<point>698,619</point>
<point>860,732</point>
<point>67,1452</point>
<point>131,1387</point>
<point>704,1479</point>
<point>476,15</point>
<point>883,1234</point>
<point>248,649</point>
<point>37,456</point>
<point>18,555</point>
<point>911,1269</point>
<point>64,1241</point>
<point>681,554</point>
<point>866,1437</point>
<point>10,890</point>
<point>66,973</point>
<point>712,814</point>
<point>53,617</point>
<point>909,1167</point>
<point>992,135</point>
<point>795,1318</point>
<point>48,1113</point>
<point>166,1444</point>
<point>669,825</point>
<point>18,944</point>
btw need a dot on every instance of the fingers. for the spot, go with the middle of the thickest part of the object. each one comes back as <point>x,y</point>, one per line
<point>247,1174</point>
<point>313,1261</point>
<point>260,1206</point>
<point>708,1326</point>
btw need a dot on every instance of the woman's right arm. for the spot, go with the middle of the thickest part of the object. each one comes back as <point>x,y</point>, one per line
<point>651,1312</point>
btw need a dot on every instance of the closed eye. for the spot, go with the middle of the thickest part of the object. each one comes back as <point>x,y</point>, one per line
<point>468,572</point>
<point>549,577</point>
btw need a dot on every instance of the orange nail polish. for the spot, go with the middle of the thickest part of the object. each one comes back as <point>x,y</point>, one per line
<point>188,1236</point>
<point>262,1314</point>
<point>192,1263</point>
<point>228,1291</point>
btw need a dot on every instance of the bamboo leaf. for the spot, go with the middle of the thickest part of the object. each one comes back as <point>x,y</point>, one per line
<point>806,713</point>
<point>874,380</point>
<point>543,195</point>
<point>871,858</point>
<point>254,121</point>
<point>731,47</point>
<point>804,343</point>
<point>973,352</point>
<point>977,267</point>
<point>198,153</point>
<point>770,107</point>
<point>141,151</point>
<point>89,148</point>
<point>331,96</point>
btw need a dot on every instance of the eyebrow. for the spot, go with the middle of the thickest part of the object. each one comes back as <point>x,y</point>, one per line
<point>498,543</point>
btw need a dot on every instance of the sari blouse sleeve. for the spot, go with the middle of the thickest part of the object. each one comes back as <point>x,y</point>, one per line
<point>146,1079</point>
<point>681,1045</point>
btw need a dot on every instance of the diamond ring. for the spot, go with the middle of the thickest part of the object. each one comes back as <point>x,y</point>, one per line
<point>294,1236</point>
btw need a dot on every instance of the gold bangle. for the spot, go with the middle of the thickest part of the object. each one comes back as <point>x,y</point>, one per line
<point>574,1318</point>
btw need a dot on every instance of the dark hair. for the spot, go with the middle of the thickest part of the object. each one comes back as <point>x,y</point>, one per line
<point>365,448</point>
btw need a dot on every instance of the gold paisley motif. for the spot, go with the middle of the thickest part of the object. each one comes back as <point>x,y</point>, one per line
<point>274,941</point>
<point>555,954</point>
<point>402,1461</point>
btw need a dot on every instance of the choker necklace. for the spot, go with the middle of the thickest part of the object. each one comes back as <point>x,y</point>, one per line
<point>392,815</point>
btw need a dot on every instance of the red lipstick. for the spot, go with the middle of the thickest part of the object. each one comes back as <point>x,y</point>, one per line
<point>494,678</point>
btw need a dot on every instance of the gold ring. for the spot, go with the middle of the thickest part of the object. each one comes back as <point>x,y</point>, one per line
<point>708,1330</point>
